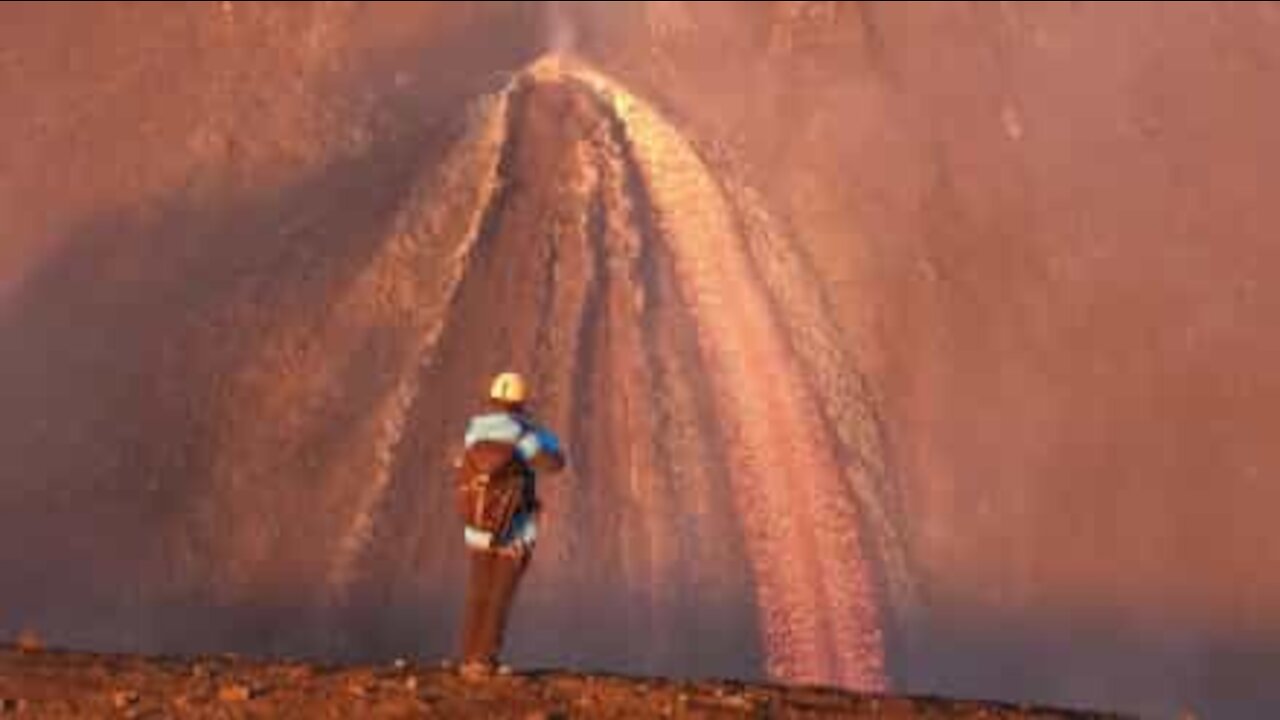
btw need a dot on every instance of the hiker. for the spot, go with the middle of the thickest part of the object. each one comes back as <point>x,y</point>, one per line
<point>497,495</point>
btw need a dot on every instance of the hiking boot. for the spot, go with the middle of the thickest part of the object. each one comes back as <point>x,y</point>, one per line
<point>482,670</point>
<point>476,670</point>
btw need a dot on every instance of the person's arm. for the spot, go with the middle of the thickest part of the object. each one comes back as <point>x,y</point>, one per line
<point>541,449</point>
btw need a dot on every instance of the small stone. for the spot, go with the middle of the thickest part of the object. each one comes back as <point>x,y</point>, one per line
<point>235,693</point>
<point>122,699</point>
<point>358,689</point>
<point>29,642</point>
<point>411,683</point>
<point>1011,119</point>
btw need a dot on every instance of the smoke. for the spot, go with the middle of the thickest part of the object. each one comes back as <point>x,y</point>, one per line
<point>562,34</point>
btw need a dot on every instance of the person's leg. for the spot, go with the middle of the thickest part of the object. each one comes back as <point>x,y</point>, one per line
<point>506,574</point>
<point>478,605</point>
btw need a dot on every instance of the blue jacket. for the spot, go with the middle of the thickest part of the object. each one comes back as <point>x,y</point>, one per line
<point>538,447</point>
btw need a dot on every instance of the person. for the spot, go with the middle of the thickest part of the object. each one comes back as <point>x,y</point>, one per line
<point>497,563</point>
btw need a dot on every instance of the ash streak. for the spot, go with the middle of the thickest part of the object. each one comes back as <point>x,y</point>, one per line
<point>819,616</point>
<point>482,147</point>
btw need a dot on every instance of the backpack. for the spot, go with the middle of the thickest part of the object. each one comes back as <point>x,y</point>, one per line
<point>490,486</point>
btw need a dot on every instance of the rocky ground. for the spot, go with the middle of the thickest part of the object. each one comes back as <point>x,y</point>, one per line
<point>40,683</point>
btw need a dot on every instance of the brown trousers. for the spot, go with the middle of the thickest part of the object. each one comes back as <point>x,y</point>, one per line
<point>491,588</point>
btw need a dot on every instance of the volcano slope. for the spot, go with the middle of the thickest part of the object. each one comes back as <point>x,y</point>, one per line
<point>608,262</point>
<point>725,457</point>
<point>1011,262</point>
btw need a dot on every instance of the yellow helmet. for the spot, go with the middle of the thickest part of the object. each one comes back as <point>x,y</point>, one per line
<point>509,388</point>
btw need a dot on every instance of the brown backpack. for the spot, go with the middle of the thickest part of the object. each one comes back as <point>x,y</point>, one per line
<point>490,486</point>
